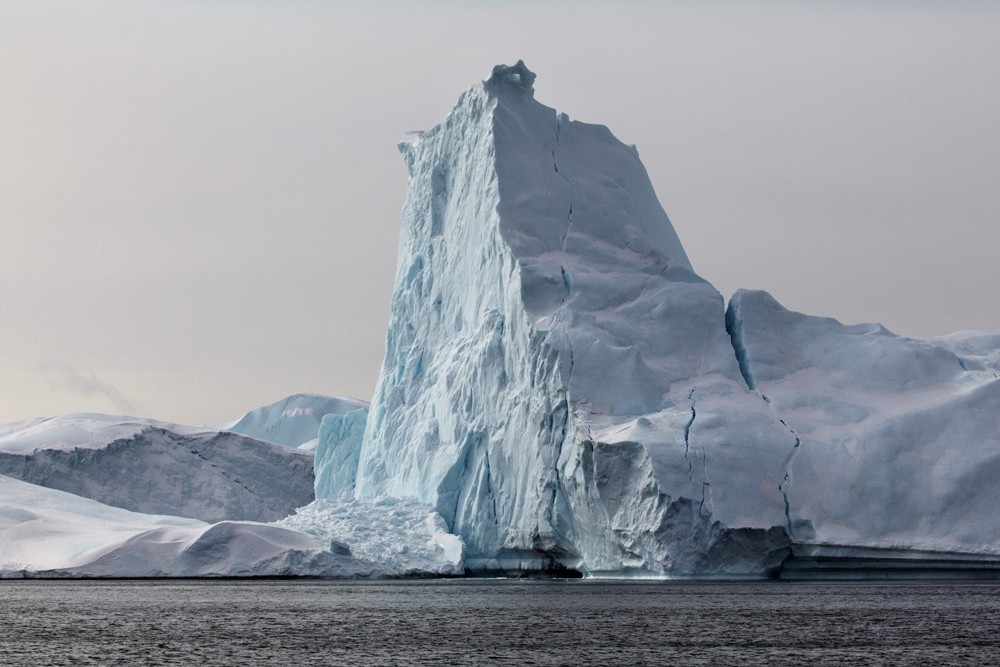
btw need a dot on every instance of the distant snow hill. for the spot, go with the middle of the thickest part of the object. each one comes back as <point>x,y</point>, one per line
<point>207,473</point>
<point>157,468</point>
<point>293,421</point>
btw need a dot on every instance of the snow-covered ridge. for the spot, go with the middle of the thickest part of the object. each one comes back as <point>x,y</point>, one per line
<point>158,468</point>
<point>79,431</point>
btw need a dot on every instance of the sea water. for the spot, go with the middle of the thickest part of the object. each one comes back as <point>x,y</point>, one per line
<point>462,622</point>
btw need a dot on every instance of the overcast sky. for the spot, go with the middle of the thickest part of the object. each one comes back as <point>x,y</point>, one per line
<point>199,201</point>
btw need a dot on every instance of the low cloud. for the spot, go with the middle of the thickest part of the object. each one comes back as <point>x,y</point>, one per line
<point>63,375</point>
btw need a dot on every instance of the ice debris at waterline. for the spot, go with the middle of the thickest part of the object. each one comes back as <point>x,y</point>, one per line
<point>404,537</point>
<point>564,389</point>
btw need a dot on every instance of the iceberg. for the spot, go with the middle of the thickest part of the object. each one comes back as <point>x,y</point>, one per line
<point>558,383</point>
<point>293,421</point>
<point>154,467</point>
<point>50,533</point>
<point>89,495</point>
<point>565,391</point>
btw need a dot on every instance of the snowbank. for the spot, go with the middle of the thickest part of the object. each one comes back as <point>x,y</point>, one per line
<point>48,533</point>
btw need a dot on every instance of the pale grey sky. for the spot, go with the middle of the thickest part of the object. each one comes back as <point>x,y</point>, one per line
<point>199,201</point>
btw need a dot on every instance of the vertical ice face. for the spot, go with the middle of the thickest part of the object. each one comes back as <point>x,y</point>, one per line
<point>338,446</point>
<point>556,375</point>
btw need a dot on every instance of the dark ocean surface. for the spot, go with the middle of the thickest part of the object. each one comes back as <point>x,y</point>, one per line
<point>462,622</point>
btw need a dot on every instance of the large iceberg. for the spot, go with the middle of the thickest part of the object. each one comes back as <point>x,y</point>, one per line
<point>558,383</point>
<point>564,389</point>
<point>561,391</point>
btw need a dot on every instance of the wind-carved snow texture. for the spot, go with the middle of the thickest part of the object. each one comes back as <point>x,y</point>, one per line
<point>546,333</point>
<point>900,437</point>
<point>158,468</point>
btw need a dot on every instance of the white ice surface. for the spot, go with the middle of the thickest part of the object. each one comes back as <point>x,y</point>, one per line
<point>899,437</point>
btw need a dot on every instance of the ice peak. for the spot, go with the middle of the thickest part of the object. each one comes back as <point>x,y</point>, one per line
<point>513,78</point>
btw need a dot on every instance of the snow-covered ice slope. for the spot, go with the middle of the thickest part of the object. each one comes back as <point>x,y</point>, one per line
<point>558,384</point>
<point>49,533</point>
<point>293,421</point>
<point>899,437</point>
<point>158,468</point>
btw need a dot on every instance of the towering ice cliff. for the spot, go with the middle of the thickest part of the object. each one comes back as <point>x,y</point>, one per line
<point>567,393</point>
<point>558,383</point>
